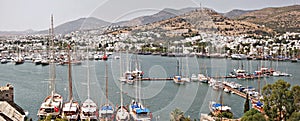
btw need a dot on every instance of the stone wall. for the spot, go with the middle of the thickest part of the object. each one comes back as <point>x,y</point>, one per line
<point>7,93</point>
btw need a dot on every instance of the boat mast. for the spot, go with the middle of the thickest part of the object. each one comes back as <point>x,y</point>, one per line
<point>177,67</point>
<point>53,69</point>
<point>121,86</point>
<point>106,85</point>
<point>88,76</point>
<point>70,76</point>
<point>139,81</point>
<point>127,61</point>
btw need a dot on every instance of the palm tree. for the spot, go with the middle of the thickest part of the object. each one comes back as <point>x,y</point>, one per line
<point>177,115</point>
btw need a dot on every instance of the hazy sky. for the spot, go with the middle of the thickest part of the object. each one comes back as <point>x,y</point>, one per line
<point>35,14</point>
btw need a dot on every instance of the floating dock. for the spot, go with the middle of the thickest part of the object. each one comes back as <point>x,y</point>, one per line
<point>157,79</point>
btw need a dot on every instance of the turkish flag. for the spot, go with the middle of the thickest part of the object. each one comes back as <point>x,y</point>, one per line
<point>56,109</point>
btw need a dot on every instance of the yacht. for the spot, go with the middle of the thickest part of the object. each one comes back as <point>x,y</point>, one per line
<point>202,78</point>
<point>217,108</point>
<point>88,109</point>
<point>4,60</point>
<point>177,78</point>
<point>106,111</point>
<point>52,104</point>
<point>122,112</point>
<point>194,77</point>
<point>70,109</point>
<point>139,112</point>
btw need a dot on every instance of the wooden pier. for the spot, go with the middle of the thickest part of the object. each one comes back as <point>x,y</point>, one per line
<point>243,95</point>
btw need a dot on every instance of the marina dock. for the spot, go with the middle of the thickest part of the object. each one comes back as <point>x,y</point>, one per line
<point>157,79</point>
<point>243,95</point>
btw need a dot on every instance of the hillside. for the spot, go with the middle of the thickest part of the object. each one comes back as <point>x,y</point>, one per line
<point>161,15</point>
<point>207,20</point>
<point>235,13</point>
<point>280,19</point>
<point>79,24</point>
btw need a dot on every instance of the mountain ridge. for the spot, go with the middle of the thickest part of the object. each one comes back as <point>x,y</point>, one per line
<point>259,17</point>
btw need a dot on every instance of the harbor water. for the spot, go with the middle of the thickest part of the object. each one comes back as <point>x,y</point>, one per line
<point>31,83</point>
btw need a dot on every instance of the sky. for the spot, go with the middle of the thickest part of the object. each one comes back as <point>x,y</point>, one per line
<point>19,15</point>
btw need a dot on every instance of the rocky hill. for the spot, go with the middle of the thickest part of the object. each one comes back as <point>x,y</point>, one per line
<point>161,15</point>
<point>280,19</point>
<point>206,20</point>
<point>236,13</point>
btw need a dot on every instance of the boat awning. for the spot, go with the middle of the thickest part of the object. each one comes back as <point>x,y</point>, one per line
<point>70,109</point>
<point>134,106</point>
<point>224,108</point>
<point>87,109</point>
<point>139,110</point>
<point>106,108</point>
<point>259,104</point>
<point>216,105</point>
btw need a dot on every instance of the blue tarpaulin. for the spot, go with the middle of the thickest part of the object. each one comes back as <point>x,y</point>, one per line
<point>145,110</point>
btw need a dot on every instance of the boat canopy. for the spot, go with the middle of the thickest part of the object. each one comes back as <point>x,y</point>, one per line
<point>70,109</point>
<point>216,105</point>
<point>91,109</point>
<point>140,111</point>
<point>259,104</point>
<point>135,106</point>
<point>106,108</point>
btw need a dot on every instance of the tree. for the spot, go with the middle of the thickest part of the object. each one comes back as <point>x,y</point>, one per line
<point>295,117</point>
<point>253,115</point>
<point>296,92</point>
<point>247,104</point>
<point>49,118</point>
<point>278,100</point>
<point>176,115</point>
<point>225,115</point>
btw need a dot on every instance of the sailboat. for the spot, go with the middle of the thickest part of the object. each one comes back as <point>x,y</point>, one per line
<point>137,110</point>
<point>185,77</point>
<point>88,110</point>
<point>71,108</point>
<point>203,78</point>
<point>137,73</point>
<point>126,76</point>
<point>106,111</point>
<point>217,108</point>
<point>53,103</point>
<point>178,79</point>
<point>104,57</point>
<point>122,111</point>
<point>19,60</point>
